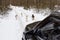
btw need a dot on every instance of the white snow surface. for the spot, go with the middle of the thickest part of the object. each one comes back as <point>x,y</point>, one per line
<point>13,24</point>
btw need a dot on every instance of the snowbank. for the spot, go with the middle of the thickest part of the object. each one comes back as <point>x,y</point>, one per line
<point>13,24</point>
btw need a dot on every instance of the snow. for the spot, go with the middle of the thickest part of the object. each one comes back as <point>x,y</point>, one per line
<point>13,25</point>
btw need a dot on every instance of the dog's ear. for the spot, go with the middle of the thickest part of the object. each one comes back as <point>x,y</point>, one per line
<point>55,14</point>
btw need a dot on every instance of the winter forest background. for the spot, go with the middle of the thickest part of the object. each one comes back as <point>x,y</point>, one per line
<point>16,14</point>
<point>30,3</point>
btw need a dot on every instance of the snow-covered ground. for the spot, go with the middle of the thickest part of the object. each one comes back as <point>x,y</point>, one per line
<point>13,24</point>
